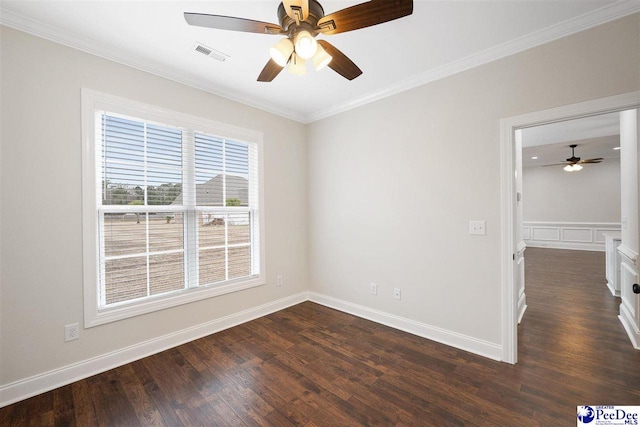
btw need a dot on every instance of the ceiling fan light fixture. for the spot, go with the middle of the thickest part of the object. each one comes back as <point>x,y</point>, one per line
<point>321,59</point>
<point>305,44</point>
<point>297,66</point>
<point>300,21</point>
<point>573,168</point>
<point>281,52</point>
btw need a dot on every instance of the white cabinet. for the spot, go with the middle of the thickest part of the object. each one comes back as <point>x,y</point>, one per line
<point>612,241</point>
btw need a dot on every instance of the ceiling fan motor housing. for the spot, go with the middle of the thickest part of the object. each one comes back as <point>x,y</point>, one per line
<point>573,158</point>
<point>300,22</point>
<point>316,12</point>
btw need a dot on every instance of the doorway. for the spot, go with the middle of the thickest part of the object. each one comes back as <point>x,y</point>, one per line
<point>511,219</point>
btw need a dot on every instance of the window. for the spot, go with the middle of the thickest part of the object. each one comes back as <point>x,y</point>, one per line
<point>172,208</point>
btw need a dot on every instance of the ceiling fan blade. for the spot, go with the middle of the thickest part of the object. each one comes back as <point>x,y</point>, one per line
<point>298,10</point>
<point>340,63</point>
<point>270,71</point>
<point>231,23</point>
<point>596,160</point>
<point>364,15</point>
<point>557,164</point>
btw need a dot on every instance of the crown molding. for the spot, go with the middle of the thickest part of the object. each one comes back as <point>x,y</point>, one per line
<point>566,28</point>
<point>571,26</point>
<point>74,41</point>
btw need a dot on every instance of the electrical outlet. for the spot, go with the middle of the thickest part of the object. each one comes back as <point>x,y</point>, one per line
<point>71,332</point>
<point>396,293</point>
<point>373,288</point>
<point>478,227</point>
<point>280,280</point>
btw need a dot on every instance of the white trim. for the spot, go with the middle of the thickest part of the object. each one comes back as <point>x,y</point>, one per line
<point>566,237</point>
<point>571,26</point>
<point>28,387</point>
<point>522,297</point>
<point>433,333</point>
<point>66,38</point>
<point>93,101</point>
<point>627,315</point>
<point>507,199</point>
<point>522,306</point>
<point>612,289</point>
<point>547,234</point>
<point>565,241</point>
<point>632,330</point>
<point>32,386</point>
<point>507,252</point>
<point>631,255</point>
<point>47,381</point>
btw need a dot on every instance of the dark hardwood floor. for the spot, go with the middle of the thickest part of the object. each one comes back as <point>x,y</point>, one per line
<point>313,366</point>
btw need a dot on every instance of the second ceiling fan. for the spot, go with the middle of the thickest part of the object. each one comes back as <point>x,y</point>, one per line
<point>574,163</point>
<point>301,21</point>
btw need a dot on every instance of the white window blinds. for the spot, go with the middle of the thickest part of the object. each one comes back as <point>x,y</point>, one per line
<point>177,209</point>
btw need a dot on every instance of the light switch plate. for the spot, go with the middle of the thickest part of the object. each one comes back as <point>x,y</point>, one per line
<point>478,227</point>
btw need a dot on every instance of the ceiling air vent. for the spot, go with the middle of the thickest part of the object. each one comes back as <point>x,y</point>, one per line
<point>212,53</point>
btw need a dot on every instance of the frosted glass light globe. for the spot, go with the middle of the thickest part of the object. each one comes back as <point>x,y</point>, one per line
<point>281,52</point>
<point>306,45</point>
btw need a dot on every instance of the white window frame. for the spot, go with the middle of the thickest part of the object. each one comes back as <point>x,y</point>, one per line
<point>93,101</point>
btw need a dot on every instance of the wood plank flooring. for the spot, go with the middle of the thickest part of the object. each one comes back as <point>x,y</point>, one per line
<point>312,366</point>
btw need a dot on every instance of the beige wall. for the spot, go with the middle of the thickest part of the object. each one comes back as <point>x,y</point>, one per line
<point>392,191</point>
<point>591,195</point>
<point>41,270</point>
<point>387,198</point>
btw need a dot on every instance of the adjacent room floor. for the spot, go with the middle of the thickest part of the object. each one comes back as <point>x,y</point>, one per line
<point>310,365</point>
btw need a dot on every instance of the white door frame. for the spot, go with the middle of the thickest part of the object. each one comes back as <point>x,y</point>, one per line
<point>508,126</point>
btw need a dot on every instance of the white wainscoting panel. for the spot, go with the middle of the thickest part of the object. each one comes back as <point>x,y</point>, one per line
<point>545,234</point>
<point>522,298</point>
<point>629,301</point>
<point>577,235</point>
<point>599,237</point>
<point>567,235</point>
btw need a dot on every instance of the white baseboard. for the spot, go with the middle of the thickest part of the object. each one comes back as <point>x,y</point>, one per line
<point>453,339</point>
<point>47,381</point>
<point>522,306</point>
<point>629,275</point>
<point>629,325</point>
<point>581,236</point>
<point>612,289</point>
<point>569,246</point>
<point>23,389</point>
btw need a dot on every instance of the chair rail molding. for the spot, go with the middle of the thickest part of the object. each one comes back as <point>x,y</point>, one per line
<point>585,236</point>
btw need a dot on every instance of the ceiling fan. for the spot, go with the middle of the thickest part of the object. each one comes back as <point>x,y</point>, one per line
<point>300,22</point>
<point>574,163</point>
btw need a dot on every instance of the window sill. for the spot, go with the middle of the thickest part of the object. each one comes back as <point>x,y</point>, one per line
<point>162,302</point>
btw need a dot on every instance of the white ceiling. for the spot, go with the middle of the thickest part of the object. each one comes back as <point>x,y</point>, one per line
<point>595,136</point>
<point>440,38</point>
